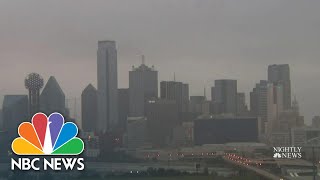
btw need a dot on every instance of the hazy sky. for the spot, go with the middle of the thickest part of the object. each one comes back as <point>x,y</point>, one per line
<point>199,40</point>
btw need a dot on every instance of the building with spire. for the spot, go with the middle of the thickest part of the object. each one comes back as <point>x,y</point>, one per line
<point>143,86</point>
<point>52,98</point>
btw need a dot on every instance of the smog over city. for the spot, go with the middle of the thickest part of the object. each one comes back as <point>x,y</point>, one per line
<point>161,88</point>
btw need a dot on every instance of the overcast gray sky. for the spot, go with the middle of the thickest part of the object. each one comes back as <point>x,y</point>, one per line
<point>199,40</point>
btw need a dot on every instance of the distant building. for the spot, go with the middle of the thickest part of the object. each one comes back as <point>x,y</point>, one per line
<point>123,97</point>
<point>107,86</point>
<point>52,98</point>
<point>225,96</point>
<point>176,91</point>
<point>280,74</point>
<point>316,121</point>
<point>89,110</point>
<point>305,136</point>
<point>15,111</point>
<point>92,149</point>
<point>143,85</point>
<point>242,108</point>
<point>136,132</point>
<point>162,117</point>
<point>266,103</point>
<point>195,104</point>
<point>220,130</point>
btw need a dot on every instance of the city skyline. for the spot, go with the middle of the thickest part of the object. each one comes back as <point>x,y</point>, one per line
<point>50,53</point>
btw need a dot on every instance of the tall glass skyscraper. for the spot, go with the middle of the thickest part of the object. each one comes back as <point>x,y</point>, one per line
<point>280,74</point>
<point>107,86</point>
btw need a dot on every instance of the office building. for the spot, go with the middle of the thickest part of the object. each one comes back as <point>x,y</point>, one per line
<point>123,97</point>
<point>89,110</point>
<point>143,85</point>
<point>242,108</point>
<point>266,102</point>
<point>225,96</point>
<point>220,130</point>
<point>15,111</point>
<point>176,91</point>
<point>52,98</point>
<point>280,74</point>
<point>136,132</point>
<point>107,86</point>
<point>162,117</point>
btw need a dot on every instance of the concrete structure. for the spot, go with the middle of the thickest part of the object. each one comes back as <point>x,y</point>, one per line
<point>176,91</point>
<point>107,86</point>
<point>143,85</point>
<point>52,98</point>
<point>33,82</point>
<point>89,110</point>
<point>123,108</point>
<point>15,111</point>
<point>280,74</point>
<point>162,117</point>
<point>136,132</point>
<point>225,96</point>
<point>220,130</point>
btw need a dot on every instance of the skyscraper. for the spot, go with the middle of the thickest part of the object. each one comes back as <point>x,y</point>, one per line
<point>15,111</point>
<point>34,83</point>
<point>242,108</point>
<point>89,102</point>
<point>280,74</point>
<point>266,102</point>
<point>225,95</point>
<point>177,91</point>
<point>143,85</point>
<point>107,86</point>
<point>52,98</point>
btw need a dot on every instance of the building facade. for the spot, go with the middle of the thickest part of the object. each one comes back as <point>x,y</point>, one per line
<point>52,98</point>
<point>89,110</point>
<point>107,86</point>
<point>225,96</point>
<point>176,91</point>
<point>15,111</point>
<point>143,85</point>
<point>280,74</point>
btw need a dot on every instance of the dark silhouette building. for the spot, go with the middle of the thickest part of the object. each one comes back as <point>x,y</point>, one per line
<point>89,111</point>
<point>162,117</point>
<point>123,97</point>
<point>176,91</point>
<point>220,130</point>
<point>225,96</point>
<point>34,83</point>
<point>52,98</point>
<point>15,111</point>
<point>143,85</point>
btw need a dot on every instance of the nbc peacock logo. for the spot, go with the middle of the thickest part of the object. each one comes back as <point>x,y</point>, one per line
<point>47,136</point>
